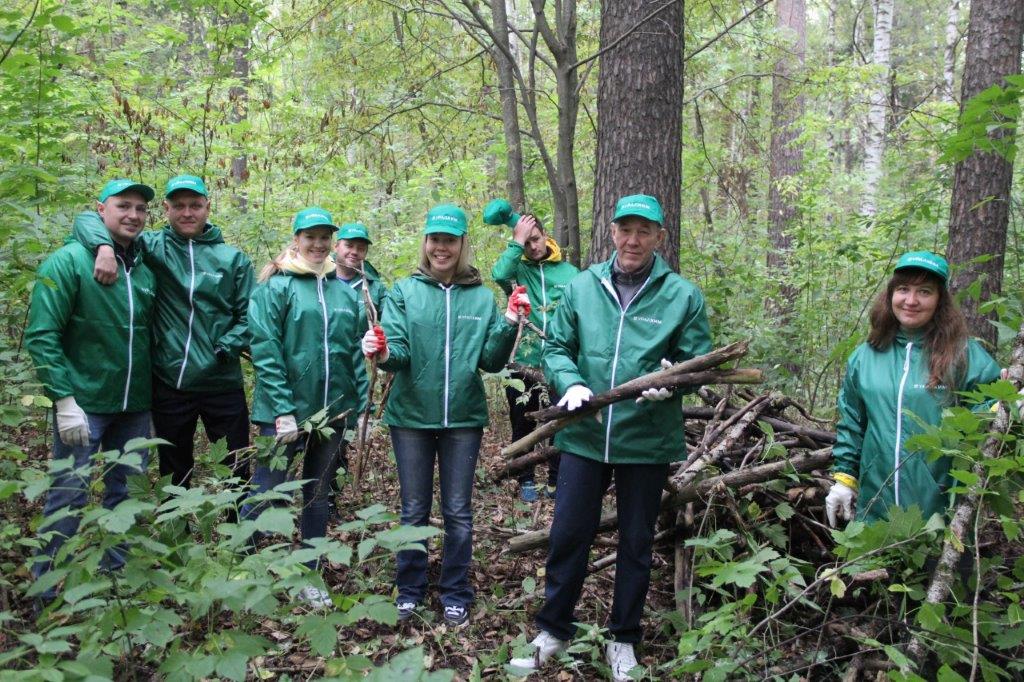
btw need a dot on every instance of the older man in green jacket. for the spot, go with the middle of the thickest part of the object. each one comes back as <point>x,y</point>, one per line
<point>618,320</point>
<point>200,329</point>
<point>90,346</point>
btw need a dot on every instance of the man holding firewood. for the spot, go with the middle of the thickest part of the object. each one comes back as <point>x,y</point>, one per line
<point>618,320</point>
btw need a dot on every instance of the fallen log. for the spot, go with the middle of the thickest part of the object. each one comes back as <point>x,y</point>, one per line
<point>520,463</point>
<point>631,389</point>
<point>532,373</point>
<point>692,492</point>
<point>780,425</point>
<point>960,524</point>
<point>698,461</point>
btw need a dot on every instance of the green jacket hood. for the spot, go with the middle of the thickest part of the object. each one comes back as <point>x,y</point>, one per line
<point>471,277</point>
<point>211,234</point>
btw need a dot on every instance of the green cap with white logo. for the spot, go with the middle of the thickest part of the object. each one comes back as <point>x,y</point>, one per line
<point>191,183</point>
<point>924,260</point>
<point>311,217</point>
<point>354,231</point>
<point>499,212</point>
<point>639,205</point>
<point>446,218</point>
<point>122,185</point>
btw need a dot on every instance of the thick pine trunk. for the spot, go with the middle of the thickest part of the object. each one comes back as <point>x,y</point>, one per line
<point>979,208</point>
<point>639,116</point>
<point>509,106</point>
<point>874,145</point>
<point>786,157</point>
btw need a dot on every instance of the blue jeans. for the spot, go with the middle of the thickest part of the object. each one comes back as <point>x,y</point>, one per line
<point>318,464</point>
<point>69,486</point>
<point>456,451</point>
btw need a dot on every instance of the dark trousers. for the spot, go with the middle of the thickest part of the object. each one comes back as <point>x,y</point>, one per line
<point>521,426</point>
<point>175,416</point>
<point>581,485</point>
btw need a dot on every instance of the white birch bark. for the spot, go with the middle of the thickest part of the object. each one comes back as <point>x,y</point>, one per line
<point>952,37</point>
<point>874,143</point>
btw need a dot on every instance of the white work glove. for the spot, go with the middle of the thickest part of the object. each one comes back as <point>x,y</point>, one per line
<point>839,503</point>
<point>575,396</point>
<point>657,394</point>
<point>72,424</point>
<point>287,429</point>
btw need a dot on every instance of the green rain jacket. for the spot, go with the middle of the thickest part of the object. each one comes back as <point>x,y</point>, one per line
<point>378,294</point>
<point>439,336</point>
<point>544,281</point>
<point>204,287</point>
<point>304,329</point>
<point>88,340</point>
<point>880,390</point>
<point>594,341</point>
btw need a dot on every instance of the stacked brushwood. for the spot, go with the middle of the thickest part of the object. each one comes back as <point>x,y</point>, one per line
<point>737,440</point>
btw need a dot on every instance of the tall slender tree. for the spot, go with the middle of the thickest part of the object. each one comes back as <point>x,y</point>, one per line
<point>874,144</point>
<point>639,115</point>
<point>786,157</point>
<point>949,58</point>
<point>503,56</point>
<point>979,209</point>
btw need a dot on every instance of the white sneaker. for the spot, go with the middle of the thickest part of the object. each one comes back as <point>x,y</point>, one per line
<point>315,597</point>
<point>545,646</point>
<point>621,660</point>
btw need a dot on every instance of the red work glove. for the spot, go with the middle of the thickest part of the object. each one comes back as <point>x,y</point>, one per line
<point>375,343</point>
<point>518,302</point>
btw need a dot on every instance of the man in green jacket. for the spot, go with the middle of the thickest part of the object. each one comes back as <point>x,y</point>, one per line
<point>90,345</point>
<point>200,328</point>
<point>534,260</point>
<point>617,321</point>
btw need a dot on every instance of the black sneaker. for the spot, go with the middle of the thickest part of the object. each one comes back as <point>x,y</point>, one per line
<point>405,610</point>
<point>456,616</point>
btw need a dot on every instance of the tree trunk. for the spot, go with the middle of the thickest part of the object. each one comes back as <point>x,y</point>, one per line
<point>639,114</point>
<point>516,187</point>
<point>949,60</point>
<point>981,183</point>
<point>874,145</point>
<point>239,96</point>
<point>786,157</point>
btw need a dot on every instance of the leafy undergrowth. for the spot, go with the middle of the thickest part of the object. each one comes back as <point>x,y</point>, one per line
<point>763,592</point>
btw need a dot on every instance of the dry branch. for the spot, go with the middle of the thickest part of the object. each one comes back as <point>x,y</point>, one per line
<point>520,463</point>
<point>695,491</point>
<point>780,425</point>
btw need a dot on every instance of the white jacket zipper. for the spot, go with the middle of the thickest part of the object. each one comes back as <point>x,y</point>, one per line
<point>615,359</point>
<point>131,332</point>
<point>191,312</point>
<point>447,344</point>
<point>327,364</point>
<point>543,308</point>
<point>899,423</point>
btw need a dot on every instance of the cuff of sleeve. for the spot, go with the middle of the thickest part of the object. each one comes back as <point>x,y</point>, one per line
<point>513,244</point>
<point>846,479</point>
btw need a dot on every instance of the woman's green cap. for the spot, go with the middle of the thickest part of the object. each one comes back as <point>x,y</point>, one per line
<point>446,218</point>
<point>354,231</point>
<point>499,212</point>
<point>924,260</point>
<point>311,217</point>
<point>639,205</point>
<point>191,183</point>
<point>122,185</point>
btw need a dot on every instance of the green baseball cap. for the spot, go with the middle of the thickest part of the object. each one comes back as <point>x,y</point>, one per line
<point>447,218</point>
<point>190,182</point>
<point>639,205</point>
<point>924,260</point>
<point>354,231</point>
<point>499,212</point>
<point>125,185</point>
<point>311,217</point>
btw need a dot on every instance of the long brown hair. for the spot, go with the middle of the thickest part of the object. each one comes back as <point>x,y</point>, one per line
<point>945,335</point>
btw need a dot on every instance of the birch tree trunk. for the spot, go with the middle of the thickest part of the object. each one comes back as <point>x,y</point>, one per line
<point>979,209</point>
<point>949,60</point>
<point>874,144</point>
<point>516,187</point>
